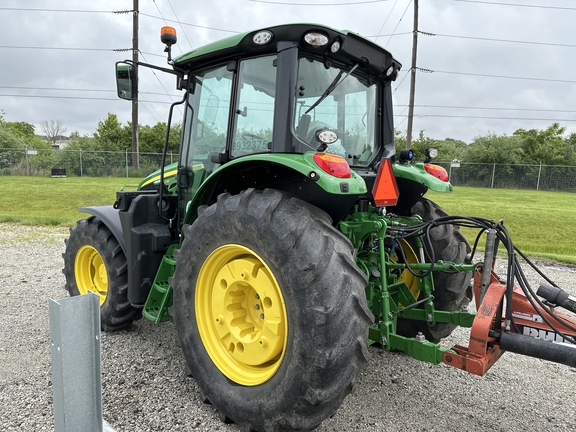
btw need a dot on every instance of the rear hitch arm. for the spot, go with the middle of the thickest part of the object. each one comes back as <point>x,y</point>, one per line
<point>489,340</point>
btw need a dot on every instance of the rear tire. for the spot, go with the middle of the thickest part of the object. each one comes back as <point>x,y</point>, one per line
<point>250,252</point>
<point>452,291</point>
<point>95,262</point>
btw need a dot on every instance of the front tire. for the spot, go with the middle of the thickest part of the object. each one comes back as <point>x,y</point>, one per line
<point>270,310</point>
<point>95,262</point>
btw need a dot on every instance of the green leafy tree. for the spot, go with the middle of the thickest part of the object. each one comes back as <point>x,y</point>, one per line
<point>151,139</point>
<point>492,148</point>
<point>15,138</point>
<point>547,147</point>
<point>571,149</point>
<point>22,129</point>
<point>12,149</point>
<point>110,135</point>
<point>399,141</point>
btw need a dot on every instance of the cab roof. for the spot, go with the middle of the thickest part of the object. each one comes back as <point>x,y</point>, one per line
<point>354,48</point>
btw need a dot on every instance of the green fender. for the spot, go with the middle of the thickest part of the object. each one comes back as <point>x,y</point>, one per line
<point>302,164</point>
<point>418,174</point>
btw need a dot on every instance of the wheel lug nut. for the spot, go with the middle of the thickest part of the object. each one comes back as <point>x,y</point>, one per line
<point>261,316</point>
<point>257,307</point>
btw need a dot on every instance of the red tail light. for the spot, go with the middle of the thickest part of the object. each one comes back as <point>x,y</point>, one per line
<point>437,171</point>
<point>333,164</point>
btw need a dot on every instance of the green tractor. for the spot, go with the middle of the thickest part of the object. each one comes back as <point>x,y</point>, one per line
<point>288,238</point>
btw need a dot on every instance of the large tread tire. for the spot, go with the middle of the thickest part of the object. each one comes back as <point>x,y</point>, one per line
<point>452,291</point>
<point>93,236</point>
<point>325,304</point>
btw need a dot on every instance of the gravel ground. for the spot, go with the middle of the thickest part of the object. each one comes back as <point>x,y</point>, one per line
<point>145,387</point>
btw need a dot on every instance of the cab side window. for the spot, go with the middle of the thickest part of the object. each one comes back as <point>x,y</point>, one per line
<point>254,111</point>
<point>210,99</point>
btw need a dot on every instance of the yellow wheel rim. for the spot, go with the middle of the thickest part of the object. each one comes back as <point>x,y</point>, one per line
<point>241,315</point>
<point>90,272</point>
<point>408,278</point>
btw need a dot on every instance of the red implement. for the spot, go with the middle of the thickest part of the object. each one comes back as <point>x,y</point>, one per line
<point>483,350</point>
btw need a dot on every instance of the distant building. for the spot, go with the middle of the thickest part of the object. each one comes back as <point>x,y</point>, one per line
<point>60,143</point>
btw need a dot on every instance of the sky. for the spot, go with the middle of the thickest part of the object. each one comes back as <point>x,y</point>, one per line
<point>484,66</point>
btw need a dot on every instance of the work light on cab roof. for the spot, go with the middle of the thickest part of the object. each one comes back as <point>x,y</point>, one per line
<point>262,37</point>
<point>316,39</point>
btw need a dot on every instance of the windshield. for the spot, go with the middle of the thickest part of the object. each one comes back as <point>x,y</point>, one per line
<point>349,109</point>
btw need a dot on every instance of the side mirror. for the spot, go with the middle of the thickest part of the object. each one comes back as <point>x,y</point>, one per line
<point>126,81</point>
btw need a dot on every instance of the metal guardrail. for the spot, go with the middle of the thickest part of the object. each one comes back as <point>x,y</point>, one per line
<point>76,364</point>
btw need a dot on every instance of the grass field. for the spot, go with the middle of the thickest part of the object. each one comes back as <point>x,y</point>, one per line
<point>541,224</point>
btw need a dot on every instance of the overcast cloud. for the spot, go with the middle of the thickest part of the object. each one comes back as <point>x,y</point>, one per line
<point>39,84</point>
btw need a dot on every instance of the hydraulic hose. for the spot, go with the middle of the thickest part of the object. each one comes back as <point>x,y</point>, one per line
<point>538,348</point>
<point>557,296</point>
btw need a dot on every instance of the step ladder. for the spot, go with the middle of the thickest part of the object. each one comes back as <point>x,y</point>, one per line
<point>160,297</point>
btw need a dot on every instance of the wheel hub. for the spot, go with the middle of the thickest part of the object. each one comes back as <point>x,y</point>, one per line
<point>241,315</point>
<point>90,272</point>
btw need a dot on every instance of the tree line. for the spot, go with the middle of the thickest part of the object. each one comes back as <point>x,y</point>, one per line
<point>98,159</point>
<point>551,146</point>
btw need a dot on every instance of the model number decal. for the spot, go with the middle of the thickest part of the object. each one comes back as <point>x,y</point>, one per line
<point>250,145</point>
<point>528,316</point>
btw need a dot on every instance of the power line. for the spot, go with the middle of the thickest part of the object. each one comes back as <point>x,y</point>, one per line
<point>498,40</point>
<point>122,12</point>
<point>74,89</point>
<point>71,97</point>
<point>399,21</point>
<point>164,19</point>
<point>61,10</point>
<point>497,76</point>
<point>319,4</point>
<point>402,80</point>
<point>390,34</point>
<point>151,113</point>
<point>385,21</point>
<point>191,25</point>
<point>176,16</point>
<point>517,5</point>
<point>170,96</point>
<point>117,50</point>
<point>56,48</point>
<point>489,108</point>
<point>491,118</point>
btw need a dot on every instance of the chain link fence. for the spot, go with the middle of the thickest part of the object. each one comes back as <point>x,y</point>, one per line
<point>508,176</point>
<point>82,163</point>
<point>78,163</point>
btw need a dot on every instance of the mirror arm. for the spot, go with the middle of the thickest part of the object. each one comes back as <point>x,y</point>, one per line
<point>176,72</point>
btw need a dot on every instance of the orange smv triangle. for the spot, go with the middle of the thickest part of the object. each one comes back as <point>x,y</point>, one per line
<point>385,190</point>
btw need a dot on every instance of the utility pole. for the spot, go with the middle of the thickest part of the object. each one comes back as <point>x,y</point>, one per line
<point>412,77</point>
<point>135,150</point>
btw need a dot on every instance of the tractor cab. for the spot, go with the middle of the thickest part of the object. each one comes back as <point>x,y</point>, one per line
<point>285,90</point>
